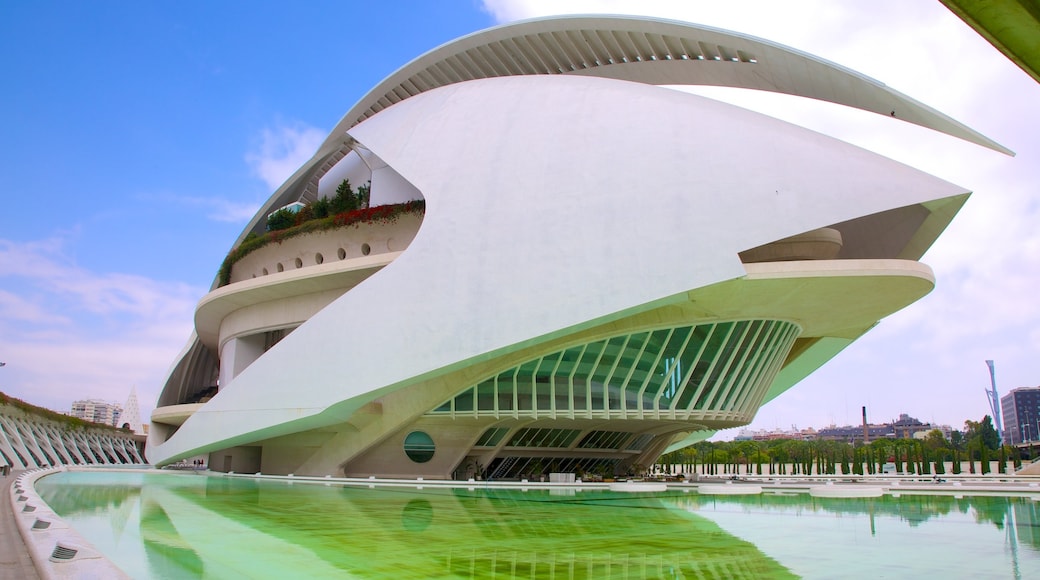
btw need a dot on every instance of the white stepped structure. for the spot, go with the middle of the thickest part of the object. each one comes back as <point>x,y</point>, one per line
<point>132,412</point>
<point>29,441</point>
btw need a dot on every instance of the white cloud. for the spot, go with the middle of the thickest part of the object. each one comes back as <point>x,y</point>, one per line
<point>216,209</point>
<point>282,150</point>
<point>14,307</point>
<point>69,333</point>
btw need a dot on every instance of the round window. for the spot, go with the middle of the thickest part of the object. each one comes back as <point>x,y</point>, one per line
<point>366,249</point>
<point>418,446</point>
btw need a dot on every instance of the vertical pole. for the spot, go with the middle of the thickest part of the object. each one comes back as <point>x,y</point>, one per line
<point>994,402</point>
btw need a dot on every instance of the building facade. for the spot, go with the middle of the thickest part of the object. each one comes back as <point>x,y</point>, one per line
<point>906,427</point>
<point>97,411</point>
<point>564,266</point>
<point>1021,413</point>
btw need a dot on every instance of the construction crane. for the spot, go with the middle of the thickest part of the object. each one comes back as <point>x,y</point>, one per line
<point>994,402</point>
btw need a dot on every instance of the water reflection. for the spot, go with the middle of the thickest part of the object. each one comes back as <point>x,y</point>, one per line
<point>194,526</point>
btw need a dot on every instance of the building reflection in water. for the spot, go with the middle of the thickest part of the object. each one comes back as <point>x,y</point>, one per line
<point>230,527</point>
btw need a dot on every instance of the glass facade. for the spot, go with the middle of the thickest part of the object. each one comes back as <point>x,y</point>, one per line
<point>708,371</point>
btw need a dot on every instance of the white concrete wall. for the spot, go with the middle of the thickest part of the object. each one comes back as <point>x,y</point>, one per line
<point>344,243</point>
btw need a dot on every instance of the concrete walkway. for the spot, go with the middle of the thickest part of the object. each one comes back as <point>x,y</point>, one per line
<point>15,563</point>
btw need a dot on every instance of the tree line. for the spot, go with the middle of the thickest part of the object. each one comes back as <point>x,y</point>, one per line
<point>978,442</point>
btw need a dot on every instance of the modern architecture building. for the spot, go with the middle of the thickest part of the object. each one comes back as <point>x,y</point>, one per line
<point>31,437</point>
<point>1021,411</point>
<point>97,411</point>
<point>563,266</point>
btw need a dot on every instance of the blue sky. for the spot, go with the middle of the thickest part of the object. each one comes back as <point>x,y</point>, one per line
<point>138,138</point>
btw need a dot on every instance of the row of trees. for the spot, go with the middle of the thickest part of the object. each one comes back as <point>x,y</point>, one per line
<point>977,443</point>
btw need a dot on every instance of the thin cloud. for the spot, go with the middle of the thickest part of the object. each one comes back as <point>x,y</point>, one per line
<point>282,150</point>
<point>216,209</point>
<point>70,333</point>
<point>14,307</point>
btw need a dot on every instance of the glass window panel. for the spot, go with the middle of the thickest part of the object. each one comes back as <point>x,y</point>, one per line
<point>419,447</point>
<point>611,349</point>
<point>543,393</point>
<point>738,355</point>
<point>586,442</point>
<point>759,349</point>
<point>524,386</point>
<point>580,395</point>
<point>644,367</point>
<point>669,372</point>
<point>629,358</point>
<point>587,365</point>
<point>563,390</point>
<point>486,397</point>
<point>464,402</point>
<point>505,396</point>
<point>715,353</point>
<point>613,395</point>
<point>640,443</point>
<point>615,440</point>
<point>491,437</point>
<point>607,365</point>
<point>519,438</point>
<point>569,361</point>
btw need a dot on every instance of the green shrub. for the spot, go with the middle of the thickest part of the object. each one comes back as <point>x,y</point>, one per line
<point>344,200</point>
<point>321,208</point>
<point>282,219</point>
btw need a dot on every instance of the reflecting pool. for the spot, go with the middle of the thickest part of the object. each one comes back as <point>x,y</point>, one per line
<point>168,525</point>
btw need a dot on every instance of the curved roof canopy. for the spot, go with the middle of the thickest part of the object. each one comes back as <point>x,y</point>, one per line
<point>1011,26</point>
<point>652,51</point>
<point>638,49</point>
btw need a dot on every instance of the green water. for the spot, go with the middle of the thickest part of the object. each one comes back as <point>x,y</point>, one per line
<point>167,525</point>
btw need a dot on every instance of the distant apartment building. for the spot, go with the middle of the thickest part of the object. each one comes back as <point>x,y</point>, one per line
<point>808,434</point>
<point>97,411</point>
<point>1021,411</point>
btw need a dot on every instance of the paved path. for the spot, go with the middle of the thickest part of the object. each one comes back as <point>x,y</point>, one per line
<point>15,563</point>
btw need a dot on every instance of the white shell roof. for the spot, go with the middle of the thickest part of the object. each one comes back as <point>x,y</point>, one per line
<point>648,50</point>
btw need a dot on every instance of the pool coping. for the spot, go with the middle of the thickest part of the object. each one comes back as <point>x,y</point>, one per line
<point>50,545</point>
<point>57,550</point>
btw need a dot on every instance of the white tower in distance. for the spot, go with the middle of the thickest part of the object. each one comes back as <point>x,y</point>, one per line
<point>131,412</point>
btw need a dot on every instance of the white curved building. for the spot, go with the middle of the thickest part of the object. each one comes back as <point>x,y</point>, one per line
<point>605,268</point>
